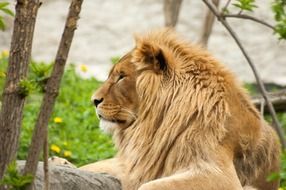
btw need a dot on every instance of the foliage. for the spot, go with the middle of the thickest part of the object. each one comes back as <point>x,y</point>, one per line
<point>279,9</point>
<point>13,179</point>
<point>25,87</point>
<point>4,8</point>
<point>39,74</point>
<point>253,90</point>
<point>282,174</point>
<point>115,59</point>
<point>3,66</point>
<point>245,5</point>
<point>73,128</point>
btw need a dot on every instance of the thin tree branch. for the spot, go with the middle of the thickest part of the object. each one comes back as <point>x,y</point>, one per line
<point>52,89</point>
<point>226,5</point>
<point>277,126</point>
<point>262,102</point>
<point>208,25</point>
<point>278,99</point>
<point>171,12</point>
<point>248,17</point>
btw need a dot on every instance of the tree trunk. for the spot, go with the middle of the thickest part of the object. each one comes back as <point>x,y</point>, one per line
<point>52,89</point>
<point>13,101</point>
<point>171,12</point>
<point>208,25</point>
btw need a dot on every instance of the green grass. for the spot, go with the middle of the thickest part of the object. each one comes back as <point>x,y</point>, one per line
<point>77,137</point>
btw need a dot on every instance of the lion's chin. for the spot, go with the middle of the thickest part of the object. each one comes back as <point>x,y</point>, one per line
<point>107,126</point>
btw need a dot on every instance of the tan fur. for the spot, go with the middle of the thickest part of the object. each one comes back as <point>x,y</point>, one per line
<point>180,120</point>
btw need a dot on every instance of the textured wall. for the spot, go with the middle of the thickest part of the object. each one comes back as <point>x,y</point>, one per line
<point>106,29</point>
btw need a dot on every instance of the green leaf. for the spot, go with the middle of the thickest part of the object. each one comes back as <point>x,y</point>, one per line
<point>280,29</point>
<point>3,4</point>
<point>236,5</point>
<point>115,59</point>
<point>279,10</point>
<point>7,11</point>
<point>26,87</point>
<point>273,177</point>
<point>2,24</point>
<point>245,5</point>
<point>13,179</point>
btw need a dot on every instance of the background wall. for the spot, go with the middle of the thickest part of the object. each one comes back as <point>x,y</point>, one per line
<point>106,30</point>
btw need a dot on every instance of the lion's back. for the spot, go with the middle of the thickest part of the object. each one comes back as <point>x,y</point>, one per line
<point>255,162</point>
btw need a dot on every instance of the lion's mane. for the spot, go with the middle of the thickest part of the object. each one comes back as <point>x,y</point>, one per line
<point>188,107</point>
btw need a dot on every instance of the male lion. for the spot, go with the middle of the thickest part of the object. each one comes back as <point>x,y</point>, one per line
<point>180,120</point>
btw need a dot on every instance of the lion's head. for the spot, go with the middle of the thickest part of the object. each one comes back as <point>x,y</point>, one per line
<point>158,78</point>
<point>116,100</point>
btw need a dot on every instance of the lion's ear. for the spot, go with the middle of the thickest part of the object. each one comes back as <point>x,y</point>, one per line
<point>149,54</point>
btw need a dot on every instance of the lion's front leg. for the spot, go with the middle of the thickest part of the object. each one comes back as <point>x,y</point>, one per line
<point>213,178</point>
<point>111,166</point>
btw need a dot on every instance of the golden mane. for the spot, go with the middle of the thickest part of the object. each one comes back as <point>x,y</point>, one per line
<point>180,120</point>
<point>184,113</point>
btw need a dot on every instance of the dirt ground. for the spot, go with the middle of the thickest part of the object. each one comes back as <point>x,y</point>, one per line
<point>106,30</point>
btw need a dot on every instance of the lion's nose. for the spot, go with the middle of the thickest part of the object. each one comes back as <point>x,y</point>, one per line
<point>96,102</point>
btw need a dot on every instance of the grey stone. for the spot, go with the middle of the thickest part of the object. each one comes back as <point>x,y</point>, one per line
<point>67,178</point>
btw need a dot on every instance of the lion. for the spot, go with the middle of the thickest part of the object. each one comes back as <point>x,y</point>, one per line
<point>180,120</point>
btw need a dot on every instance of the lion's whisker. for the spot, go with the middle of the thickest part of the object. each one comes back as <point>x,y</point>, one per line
<point>133,115</point>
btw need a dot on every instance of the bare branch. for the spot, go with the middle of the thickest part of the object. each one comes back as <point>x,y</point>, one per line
<point>171,12</point>
<point>262,105</point>
<point>277,126</point>
<point>278,99</point>
<point>226,5</point>
<point>208,25</point>
<point>248,17</point>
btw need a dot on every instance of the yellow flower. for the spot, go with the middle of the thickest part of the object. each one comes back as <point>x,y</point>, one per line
<point>5,53</point>
<point>83,68</point>
<point>280,188</point>
<point>67,153</point>
<point>58,120</point>
<point>55,148</point>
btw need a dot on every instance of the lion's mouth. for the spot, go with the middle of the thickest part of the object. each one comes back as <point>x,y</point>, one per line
<point>111,120</point>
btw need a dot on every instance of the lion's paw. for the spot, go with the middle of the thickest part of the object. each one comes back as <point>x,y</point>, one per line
<point>54,160</point>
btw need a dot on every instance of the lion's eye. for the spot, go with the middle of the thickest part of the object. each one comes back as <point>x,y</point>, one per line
<point>121,76</point>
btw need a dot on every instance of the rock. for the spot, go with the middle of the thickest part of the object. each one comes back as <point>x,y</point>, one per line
<point>66,178</point>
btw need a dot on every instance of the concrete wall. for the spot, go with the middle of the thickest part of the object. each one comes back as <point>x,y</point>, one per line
<point>106,29</point>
